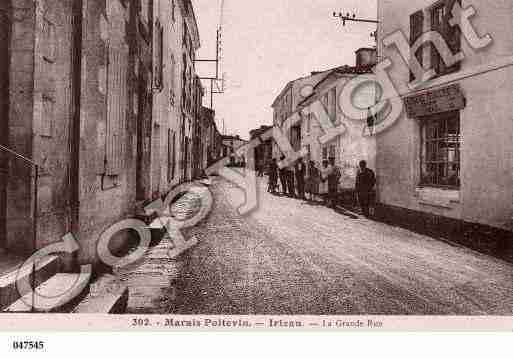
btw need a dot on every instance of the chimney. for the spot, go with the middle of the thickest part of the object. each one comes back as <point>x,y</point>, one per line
<point>366,56</point>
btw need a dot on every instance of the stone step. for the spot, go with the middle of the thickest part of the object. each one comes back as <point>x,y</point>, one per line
<point>54,294</point>
<point>45,269</point>
<point>107,296</point>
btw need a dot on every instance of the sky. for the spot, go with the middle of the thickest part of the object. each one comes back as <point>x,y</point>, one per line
<point>267,43</point>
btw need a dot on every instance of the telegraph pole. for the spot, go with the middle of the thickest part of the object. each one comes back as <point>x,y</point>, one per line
<point>216,78</point>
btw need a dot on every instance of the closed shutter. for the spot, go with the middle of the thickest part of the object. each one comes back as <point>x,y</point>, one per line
<point>159,57</point>
<point>173,156</point>
<point>172,82</point>
<point>416,30</point>
<point>169,154</point>
<point>333,104</point>
<point>116,108</point>
<point>452,35</point>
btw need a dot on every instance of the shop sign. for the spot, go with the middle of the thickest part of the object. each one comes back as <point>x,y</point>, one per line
<point>446,99</point>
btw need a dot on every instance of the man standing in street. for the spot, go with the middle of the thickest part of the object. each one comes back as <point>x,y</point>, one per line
<point>290,180</point>
<point>283,177</point>
<point>333,181</point>
<point>365,181</point>
<point>273,176</point>
<point>300,178</point>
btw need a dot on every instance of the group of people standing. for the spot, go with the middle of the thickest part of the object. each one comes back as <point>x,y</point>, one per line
<point>313,182</point>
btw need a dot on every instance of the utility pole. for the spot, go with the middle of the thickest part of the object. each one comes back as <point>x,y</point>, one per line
<point>212,79</point>
<point>217,61</point>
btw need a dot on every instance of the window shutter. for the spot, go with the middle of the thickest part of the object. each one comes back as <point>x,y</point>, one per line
<point>452,35</point>
<point>173,156</point>
<point>333,104</point>
<point>416,30</point>
<point>159,57</point>
<point>169,155</point>
<point>172,81</point>
<point>116,107</point>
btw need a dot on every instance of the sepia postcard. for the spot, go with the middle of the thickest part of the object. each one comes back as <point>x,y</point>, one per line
<point>206,165</point>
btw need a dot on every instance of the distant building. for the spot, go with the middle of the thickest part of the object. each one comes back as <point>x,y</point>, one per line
<point>210,138</point>
<point>286,104</point>
<point>353,145</point>
<point>325,87</point>
<point>230,145</point>
<point>263,153</point>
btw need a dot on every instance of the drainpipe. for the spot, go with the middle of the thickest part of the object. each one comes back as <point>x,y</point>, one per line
<point>34,233</point>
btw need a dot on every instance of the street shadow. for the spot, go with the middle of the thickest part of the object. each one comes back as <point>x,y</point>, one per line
<point>312,204</point>
<point>345,213</point>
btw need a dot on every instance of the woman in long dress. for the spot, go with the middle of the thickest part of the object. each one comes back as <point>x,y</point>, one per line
<point>323,187</point>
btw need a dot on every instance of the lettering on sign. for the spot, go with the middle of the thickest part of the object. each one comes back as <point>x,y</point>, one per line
<point>446,99</point>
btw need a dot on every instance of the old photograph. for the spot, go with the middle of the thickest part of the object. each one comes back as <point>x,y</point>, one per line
<point>272,164</point>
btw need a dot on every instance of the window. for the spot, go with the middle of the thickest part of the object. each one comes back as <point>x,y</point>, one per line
<point>145,10</point>
<point>173,9</point>
<point>308,153</point>
<point>325,153</point>
<point>440,158</point>
<point>295,137</point>
<point>416,29</point>
<point>332,151</point>
<point>116,107</point>
<point>184,37</point>
<point>332,104</point>
<point>440,15</point>
<point>159,57</point>
<point>47,116</point>
<point>329,151</point>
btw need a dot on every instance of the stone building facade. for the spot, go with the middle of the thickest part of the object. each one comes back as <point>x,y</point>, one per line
<point>99,96</point>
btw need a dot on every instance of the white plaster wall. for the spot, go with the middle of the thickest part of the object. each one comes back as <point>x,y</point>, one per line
<point>486,193</point>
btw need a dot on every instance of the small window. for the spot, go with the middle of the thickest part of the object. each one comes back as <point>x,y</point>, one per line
<point>440,158</point>
<point>325,153</point>
<point>332,104</point>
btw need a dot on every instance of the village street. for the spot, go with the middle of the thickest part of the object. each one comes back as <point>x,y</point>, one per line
<point>290,257</point>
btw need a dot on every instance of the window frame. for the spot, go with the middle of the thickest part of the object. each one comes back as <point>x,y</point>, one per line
<point>434,160</point>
